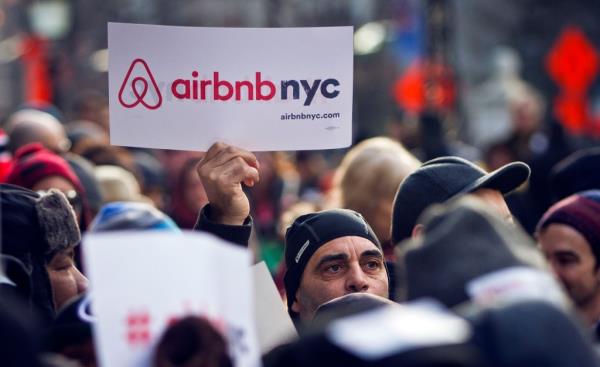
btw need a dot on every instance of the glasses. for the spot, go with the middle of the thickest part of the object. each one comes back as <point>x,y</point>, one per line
<point>72,197</point>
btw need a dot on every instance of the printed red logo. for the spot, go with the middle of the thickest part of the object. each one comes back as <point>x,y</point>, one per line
<point>140,86</point>
<point>138,328</point>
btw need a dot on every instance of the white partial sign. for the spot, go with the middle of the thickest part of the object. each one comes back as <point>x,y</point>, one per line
<point>395,329</point>
<point>515,284</point>
<point>141,282</point>
<point>256,88</point>
<point>273,324</point>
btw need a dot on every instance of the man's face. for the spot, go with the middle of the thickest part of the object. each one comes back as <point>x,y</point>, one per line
<point>344,265</point>
<point>572,260</point>
<point>66,280</point>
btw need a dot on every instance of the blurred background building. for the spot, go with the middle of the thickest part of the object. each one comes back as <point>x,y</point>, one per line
<point>490,81</point>
<point>463,57</point>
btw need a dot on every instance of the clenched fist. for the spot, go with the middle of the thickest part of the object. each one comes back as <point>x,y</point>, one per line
<point>222,170</point>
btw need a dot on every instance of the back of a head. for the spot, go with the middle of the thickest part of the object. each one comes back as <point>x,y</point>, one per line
<point>369,176</point>
<point>374,166</point>
<point>117,216</point>
<point>152,171</point>
<point>28,125</point>
<point>191,342</point>
<point>578,172</point>
<point>464,241</point>
<point>532,333</point>
<point>116,184</point>
<point>85,172</point>
<point>348,305</point>
<point>415,335</point>
<point>83,131</point>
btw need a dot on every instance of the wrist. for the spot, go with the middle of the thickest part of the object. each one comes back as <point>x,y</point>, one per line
<point>220,216</point>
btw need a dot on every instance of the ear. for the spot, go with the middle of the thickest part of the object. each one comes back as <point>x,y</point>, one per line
<point>417,231</point>
<point>296,306</point>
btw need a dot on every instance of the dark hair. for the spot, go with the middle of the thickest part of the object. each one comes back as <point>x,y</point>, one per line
<point>192,342</point>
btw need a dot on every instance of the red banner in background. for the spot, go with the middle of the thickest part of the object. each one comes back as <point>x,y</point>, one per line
<point>424,85</point>
<point>573,65</point>
<point>37,82</point>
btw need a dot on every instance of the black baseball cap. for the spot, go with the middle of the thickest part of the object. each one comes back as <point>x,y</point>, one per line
<point>441,179</point>
<point>578,172</point>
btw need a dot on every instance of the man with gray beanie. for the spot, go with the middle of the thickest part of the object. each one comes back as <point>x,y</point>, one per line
<point>328,254</point>
<point>467,253</point>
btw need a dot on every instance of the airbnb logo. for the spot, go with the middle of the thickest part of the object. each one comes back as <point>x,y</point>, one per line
<point>140,86</point>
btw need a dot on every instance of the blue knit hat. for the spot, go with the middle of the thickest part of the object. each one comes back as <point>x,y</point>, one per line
<point>120,215</point>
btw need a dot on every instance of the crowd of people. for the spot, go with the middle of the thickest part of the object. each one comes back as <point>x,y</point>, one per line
<point>387,255</point>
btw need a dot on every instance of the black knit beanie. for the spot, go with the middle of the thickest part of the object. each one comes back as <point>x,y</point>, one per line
<point>311,231</point>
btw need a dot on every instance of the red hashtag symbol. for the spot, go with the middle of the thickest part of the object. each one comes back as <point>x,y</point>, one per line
<point>138,331</point>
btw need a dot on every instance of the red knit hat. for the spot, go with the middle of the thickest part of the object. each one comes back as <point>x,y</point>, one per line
<point>33,162</point>
<point>580,211</point>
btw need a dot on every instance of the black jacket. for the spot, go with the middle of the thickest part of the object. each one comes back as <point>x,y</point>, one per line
<point>239,235</point>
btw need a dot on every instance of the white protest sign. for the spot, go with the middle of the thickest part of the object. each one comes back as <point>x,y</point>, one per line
<point>256,88</point>
<point>143,281</point>
<point>273,324</point>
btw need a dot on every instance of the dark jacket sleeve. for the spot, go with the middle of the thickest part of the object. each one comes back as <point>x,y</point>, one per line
<point>239,235</point>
